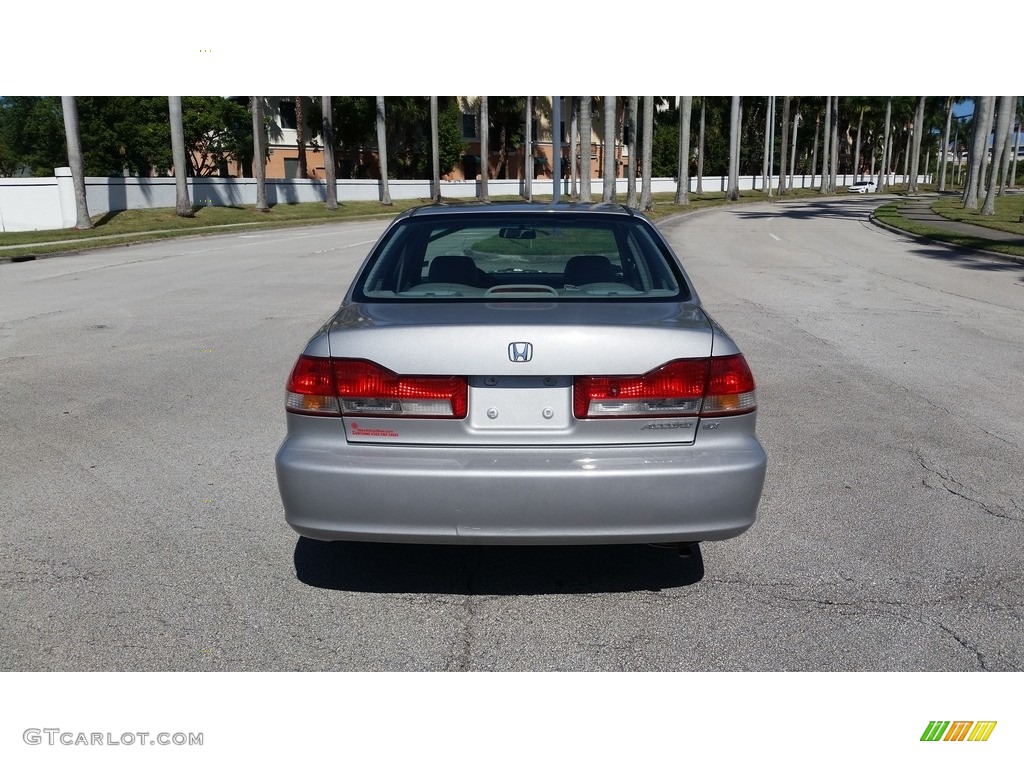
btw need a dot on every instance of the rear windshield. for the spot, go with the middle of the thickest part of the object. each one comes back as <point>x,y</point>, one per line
<point>549,257</point>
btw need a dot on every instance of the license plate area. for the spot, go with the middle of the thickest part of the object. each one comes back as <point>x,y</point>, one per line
<point>520,403</point>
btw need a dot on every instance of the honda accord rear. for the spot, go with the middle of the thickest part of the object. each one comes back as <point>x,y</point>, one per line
<point>521,374</point>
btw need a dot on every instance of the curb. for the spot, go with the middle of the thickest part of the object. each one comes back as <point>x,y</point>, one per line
<point>951,246</point>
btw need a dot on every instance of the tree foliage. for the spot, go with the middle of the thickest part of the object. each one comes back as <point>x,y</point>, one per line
<point>121,134</point>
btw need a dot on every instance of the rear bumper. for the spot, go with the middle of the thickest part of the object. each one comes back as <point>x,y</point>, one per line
<point>571,495</point>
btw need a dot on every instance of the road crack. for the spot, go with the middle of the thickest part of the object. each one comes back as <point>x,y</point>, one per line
<point>955,487</point>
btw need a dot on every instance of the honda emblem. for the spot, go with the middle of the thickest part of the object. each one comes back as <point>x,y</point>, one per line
<point>520,351</point>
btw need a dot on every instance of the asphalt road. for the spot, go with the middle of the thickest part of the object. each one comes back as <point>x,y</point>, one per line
<point>141,403</point>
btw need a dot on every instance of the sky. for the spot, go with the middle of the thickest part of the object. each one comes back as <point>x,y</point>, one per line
<point>109,47</point>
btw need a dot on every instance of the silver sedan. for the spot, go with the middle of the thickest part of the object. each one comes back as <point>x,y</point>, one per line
<point>521,374</point>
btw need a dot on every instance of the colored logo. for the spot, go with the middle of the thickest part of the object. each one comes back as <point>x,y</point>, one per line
<point>958,730</point>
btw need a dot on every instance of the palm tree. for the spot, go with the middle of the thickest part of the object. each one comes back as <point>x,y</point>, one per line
<point>382,153</point>
<point>683,176</point>
<point>632,105</point>
<point>945,144</point>
<point>648,160</point>
<point>856,149</point>
<point>1016,145</point>
<point>999,146</point>
<point>73,136</point>
<point>915,152</point>
<point>435,154</point>
<point>797,118</point>
<point>833,163</point>
<point>883,176</point>
<point>700,145</point>
<point>979,140</point>
<point>766,182</point>
<point>573,146</point>
<point>986,173</point>
<point>1007,148</point>
<point>608,191</point>
<point>528,153</point>
<point>300,135</point>
<point>182,204</point>
<point>784,145</point>
<point>485,149</point>
<point>586,133</point>
<point>814,147</point>
<point>259,156</point>
<point>826,154</point>
<point>330,167</point>
<point>733,192</point>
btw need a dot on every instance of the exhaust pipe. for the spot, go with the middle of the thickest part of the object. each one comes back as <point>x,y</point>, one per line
<point>684,549</point>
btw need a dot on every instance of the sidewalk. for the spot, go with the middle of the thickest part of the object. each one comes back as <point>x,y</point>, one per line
<point>920,210</point>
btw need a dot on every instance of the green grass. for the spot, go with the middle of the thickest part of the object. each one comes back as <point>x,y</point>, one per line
<point>1006,219</point>
<point>136,226</point>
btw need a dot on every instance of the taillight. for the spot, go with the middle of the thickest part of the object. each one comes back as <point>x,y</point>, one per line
<point>672,390</point>
<point>311,388</point>
<point>336,387</point>
<point>720,386</point>
<point>730,388</point>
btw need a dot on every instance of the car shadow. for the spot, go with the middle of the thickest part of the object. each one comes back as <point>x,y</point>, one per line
<point>492,570</point>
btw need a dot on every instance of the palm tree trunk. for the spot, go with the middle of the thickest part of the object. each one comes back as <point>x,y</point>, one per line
<point>586,134</point>
<point>826,150</point>
<point>382,153</point>
<point>73,136</point>
<point>944,159</point>
<point>733,192</point>
<point>999,141</point>
<point>259,153</point>
<point>330,166</point>
<point>987,163</point>
<point>1004,171</point>
<point>435,154</point>
<point>856,150</point>
<point>834,156</point>
<point>792,159</point>
<point>784,145</point>
<point>632,106</point>
<point>979,141</point>
<point>608,154</point>
<point>646,202</point>
<point>300,136</point>
<point>906,157</point>
<point>574,166</point>
<point>528,154</point>
<point>765,181</point>
<point>915,152</point>
<point>485,149</point>
<point>182,204</point>
<point>814,147</point>
<point>700,145</point>
<point>683,175</point>
<point>883,176</point>
<point>1017,143</point>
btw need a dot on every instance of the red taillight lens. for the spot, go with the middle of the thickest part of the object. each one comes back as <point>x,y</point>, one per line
<point>367,389</point>
<point>672,390</point>
<point>311,388</point>
<point>720,386</point>
<point>322,386</point>
<point>730,388</point>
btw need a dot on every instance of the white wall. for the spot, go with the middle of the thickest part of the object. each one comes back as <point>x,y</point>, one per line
<point>49,203</point>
